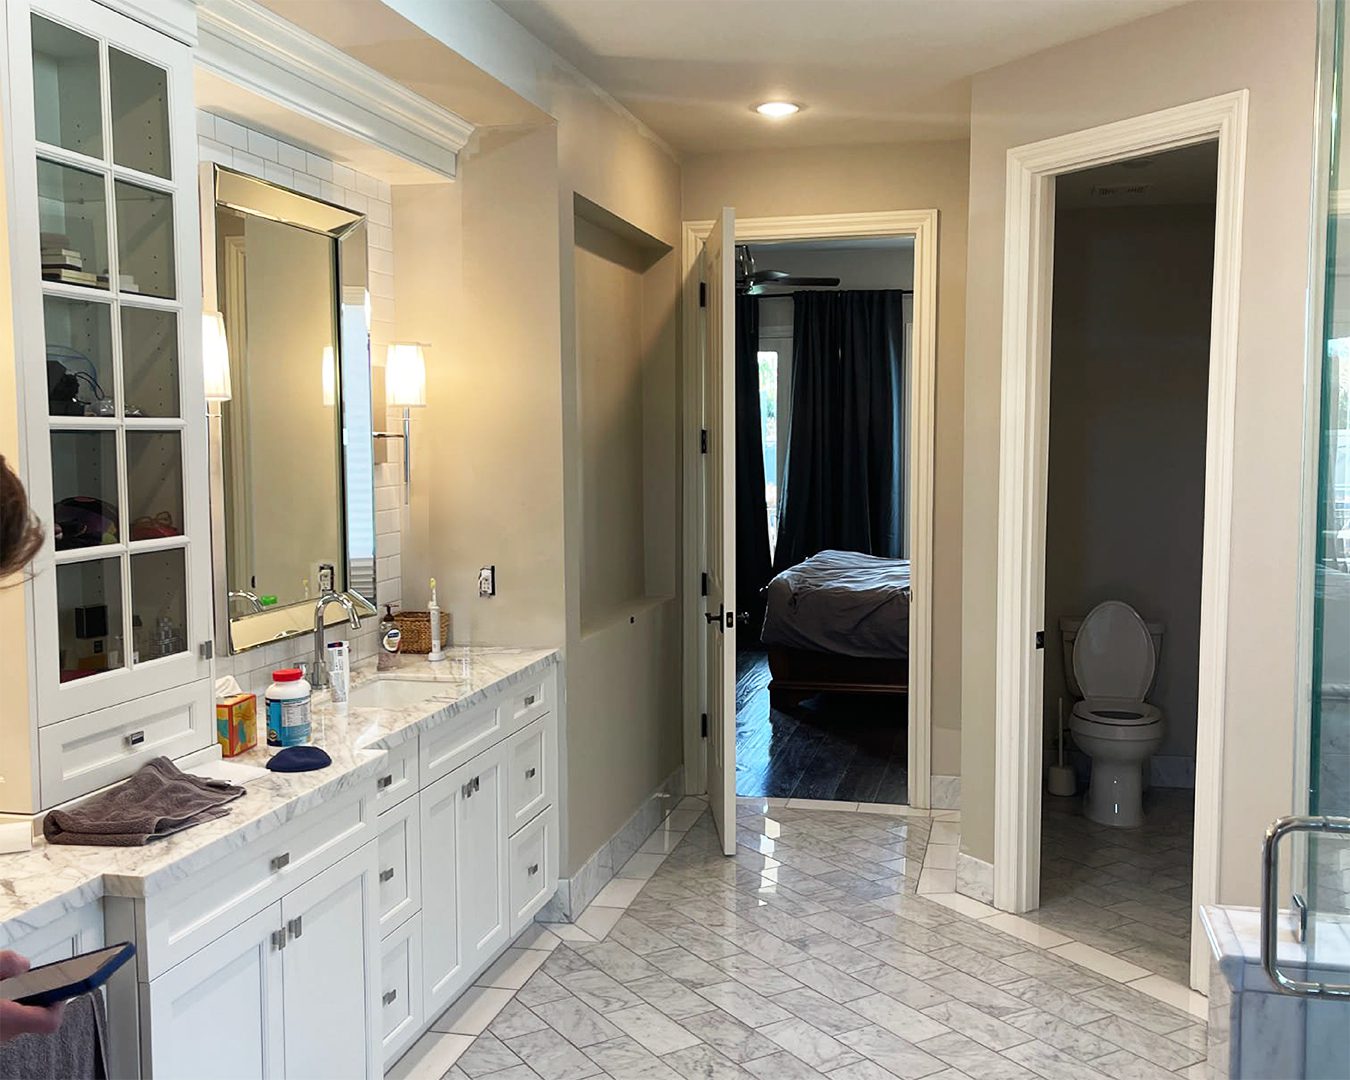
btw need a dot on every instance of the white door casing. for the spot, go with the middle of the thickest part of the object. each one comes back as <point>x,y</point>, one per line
<point>922,225</point>
<point>1024,437</point>
<point>719,520</point>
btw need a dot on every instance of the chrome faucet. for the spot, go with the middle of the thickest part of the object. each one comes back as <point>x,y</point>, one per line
<point>319,677</point>
<point>251,598</point>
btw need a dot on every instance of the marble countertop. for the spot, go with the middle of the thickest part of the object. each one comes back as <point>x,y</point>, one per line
<point>39,886</point>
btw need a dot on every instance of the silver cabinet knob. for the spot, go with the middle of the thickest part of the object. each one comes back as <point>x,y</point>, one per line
<point>387,874</point>
<point>280,862</point>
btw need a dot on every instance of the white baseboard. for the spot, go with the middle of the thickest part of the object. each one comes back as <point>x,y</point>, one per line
<point>974,878</point>
<point>945,792</point>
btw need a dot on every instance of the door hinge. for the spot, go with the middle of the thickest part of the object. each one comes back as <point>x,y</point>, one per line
<point>702,294</point>
<point>703,728</point>
<point>206,650</point>
<point>703,584</point>
<point>703,440</point>
<point>1040,639</point>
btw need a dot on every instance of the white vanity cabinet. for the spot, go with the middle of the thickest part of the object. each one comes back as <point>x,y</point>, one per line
<point>106,276</point>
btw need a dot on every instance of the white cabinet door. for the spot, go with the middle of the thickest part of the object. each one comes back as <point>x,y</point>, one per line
<point>331,972</point>
<point>464,888</point>
<point>218,1013</point>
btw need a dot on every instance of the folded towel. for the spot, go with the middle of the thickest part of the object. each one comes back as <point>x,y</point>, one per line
<point>159,800</point>
<point>78,1051</point>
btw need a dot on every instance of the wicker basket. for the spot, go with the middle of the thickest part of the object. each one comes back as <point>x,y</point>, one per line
<point>415,627</point>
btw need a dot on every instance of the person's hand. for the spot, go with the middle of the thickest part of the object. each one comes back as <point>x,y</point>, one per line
<point>16,1019</point>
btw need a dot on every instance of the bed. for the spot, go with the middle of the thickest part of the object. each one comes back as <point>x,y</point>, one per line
<point>838,621</point>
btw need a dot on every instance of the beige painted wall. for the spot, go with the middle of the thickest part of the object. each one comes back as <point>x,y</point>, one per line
<point>1129,381</point>
<point>856,179</point>
<point>1181,55</point>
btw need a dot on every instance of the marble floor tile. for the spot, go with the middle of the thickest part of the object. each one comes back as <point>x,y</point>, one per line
<point>552,1056</point>
<point>597,921</point>
<point>488,1054</point>
<point>1033,933</point>
<point>618,893</point>
<point>576,1021</point>
<point>811,1045</point>
<point>702,1062</point>
<point>516,1019</point>
<point>986,1030</point>
<point>642,865</point>
<point>1113,967</point>
<point>897,1056</point>
<point>653,1029</point>
<point>729,1035</point>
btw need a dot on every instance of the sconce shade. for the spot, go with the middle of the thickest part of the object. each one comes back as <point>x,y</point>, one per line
<point>405,375</point>
<point>215,357</point>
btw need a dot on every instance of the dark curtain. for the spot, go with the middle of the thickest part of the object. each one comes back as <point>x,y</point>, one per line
<point>753,568</point>
<point>845,460</point>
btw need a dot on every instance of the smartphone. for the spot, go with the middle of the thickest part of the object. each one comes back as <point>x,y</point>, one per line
<point>65,979</point>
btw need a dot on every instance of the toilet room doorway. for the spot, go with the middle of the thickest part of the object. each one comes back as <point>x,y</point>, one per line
<point>1119,361</point>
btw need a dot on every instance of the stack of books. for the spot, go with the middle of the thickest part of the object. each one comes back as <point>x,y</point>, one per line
<point>61,262</point>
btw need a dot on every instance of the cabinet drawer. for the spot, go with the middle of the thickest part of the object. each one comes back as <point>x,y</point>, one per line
<point>88,752</point>
<point>530,782</point>
<point>534,870</point>
<point>184,917</point>
<point>529,701</point>
<point>401,989</point>
<point>455,741</point>
<point>399,778</point>
<point>400,871</point>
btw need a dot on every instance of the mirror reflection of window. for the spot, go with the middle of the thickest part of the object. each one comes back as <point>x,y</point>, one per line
<point>281,431</point>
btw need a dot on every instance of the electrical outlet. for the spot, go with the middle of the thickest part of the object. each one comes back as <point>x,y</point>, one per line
<point>487,581</point>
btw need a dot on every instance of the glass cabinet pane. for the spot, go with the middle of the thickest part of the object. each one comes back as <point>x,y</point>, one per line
<point>84,488</point>
<point>79,357</point>
<point>66,98</point>
<point>140,113</point>
<point>73,218</point>
<point>154,484</point>
<point>150,362</point>
<point>89,617</point>
<point>159,603</point>
<point>144,240</point>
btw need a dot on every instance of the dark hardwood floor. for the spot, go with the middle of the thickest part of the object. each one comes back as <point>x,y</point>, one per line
<point>850,747</point>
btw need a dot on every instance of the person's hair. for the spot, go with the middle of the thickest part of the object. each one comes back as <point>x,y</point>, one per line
<point>20,533</point>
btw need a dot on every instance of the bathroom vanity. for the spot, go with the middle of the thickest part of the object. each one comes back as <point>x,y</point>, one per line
<point>320,926</point>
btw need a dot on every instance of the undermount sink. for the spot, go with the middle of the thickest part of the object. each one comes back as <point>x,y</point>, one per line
<point>395,693</point>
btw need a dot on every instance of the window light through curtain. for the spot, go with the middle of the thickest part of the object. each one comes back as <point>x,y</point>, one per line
<point>768,424</point>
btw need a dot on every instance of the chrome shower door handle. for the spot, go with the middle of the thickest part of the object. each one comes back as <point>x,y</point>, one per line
<point>1270,902</point>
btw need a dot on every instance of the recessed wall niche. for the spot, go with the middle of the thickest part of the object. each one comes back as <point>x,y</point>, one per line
<point>628,413</point>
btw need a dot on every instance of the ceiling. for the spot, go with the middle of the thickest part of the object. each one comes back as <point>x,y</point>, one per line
<point>865,71</point>
<point>1188,175</point>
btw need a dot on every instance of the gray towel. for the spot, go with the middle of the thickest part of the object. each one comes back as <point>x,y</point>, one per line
<point>159,800</point>
<point>76,1052</point>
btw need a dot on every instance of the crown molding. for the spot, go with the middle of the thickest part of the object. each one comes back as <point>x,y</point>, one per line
<point>246,44</point>
<point>176,18</point>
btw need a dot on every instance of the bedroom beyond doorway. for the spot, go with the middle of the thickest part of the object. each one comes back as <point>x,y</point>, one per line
<point>823,331</point>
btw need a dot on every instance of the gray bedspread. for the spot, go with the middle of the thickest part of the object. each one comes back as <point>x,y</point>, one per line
<point>841,602</point>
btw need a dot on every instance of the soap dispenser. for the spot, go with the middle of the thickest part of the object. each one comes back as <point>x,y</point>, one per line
<point>437,652</point>
<point>391,638</point>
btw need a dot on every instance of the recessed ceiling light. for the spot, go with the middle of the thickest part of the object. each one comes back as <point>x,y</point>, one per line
<point>777,109</point>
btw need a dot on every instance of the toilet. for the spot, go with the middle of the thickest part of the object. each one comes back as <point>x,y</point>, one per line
<point>1110,659</point>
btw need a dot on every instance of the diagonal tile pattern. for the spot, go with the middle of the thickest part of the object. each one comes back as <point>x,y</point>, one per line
<point>808,954</point>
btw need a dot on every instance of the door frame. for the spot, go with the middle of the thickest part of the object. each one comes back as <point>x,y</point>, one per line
<point>922,225</point>
<point>1023,443</point>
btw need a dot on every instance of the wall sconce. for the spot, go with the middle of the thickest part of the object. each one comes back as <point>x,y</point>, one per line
<point>215,358</point>
<point>405,387</point>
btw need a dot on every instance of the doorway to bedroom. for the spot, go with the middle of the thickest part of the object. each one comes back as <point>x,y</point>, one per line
<point>823,410</point>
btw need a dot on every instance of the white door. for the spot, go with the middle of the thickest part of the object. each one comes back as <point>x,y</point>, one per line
<point>719,515</point>
<point>331,973</point>
<point>219,1012</point>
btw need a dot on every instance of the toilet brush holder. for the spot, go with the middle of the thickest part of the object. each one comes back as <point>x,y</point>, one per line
<point>1061,780</point>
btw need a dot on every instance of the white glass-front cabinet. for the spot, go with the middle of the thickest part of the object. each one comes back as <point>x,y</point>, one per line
<point>105,263</point>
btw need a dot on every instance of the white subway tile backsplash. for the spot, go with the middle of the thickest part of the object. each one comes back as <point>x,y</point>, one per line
<point>305,184</point>
<point>278,174</point>
<point>386,498</point>
<point>342,176</point>
<point>320,167</point>
<point>218,152</point>
<point>263,145</point>
<point>206,124</point>
<point>367,185</point>
<point>232,134</point>
<point>379,213</point>
<point>248,163</point>
<point>292,156</point>
<point>387,521</point>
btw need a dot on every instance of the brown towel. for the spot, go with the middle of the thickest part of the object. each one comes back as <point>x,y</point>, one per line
<point>159,800</point>
<point>78,1051</point>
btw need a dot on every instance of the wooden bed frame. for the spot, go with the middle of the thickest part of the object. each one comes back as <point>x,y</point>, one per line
<point>799,673</point>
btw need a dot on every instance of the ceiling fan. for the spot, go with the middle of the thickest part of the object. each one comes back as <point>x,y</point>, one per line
<point>752,282</point>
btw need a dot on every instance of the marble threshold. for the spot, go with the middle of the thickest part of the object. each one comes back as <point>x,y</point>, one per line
<point>41,885</point>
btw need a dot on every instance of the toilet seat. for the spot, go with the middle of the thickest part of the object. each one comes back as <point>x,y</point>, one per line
<point>1113,655</point>
<point>1112,718</point>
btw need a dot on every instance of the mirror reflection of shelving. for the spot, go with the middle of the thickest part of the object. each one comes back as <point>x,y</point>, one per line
<point>112,329</point>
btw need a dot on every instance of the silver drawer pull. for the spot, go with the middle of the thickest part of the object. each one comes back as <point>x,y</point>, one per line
<point>529,700</point>
<point>387,874</point>
<point>296,926</point>
<point>278,939</point>
<point>529,773</point>
<point>136,738</point>
<point>533,869</point>
<point>280,862</point>
<point>383,782</point>
<point>389,996</point>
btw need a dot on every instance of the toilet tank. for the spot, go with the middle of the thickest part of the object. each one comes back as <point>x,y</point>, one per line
<point>1068,632</point>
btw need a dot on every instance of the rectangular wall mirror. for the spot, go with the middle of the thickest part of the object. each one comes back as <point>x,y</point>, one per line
<point>292,467</point>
